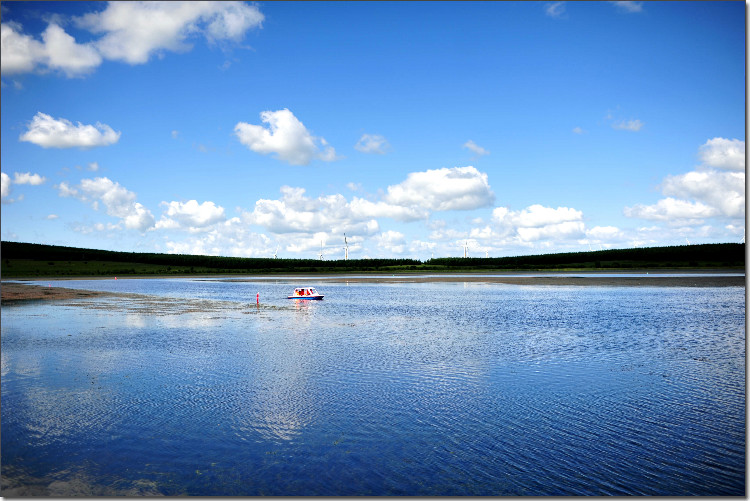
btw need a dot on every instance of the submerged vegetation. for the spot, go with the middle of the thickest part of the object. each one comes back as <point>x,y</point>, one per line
<point>37,260</point>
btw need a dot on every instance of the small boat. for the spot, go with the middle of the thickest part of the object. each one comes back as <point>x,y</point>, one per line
<point>305,293</point>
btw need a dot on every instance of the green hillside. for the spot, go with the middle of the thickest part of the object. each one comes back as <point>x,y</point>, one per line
<point>36,260</point>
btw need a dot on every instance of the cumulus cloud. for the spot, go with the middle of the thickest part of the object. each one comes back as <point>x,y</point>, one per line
<point>286,137</point>
<point>228,238</point>
<point>372,143</point>
<point>191,215</point>
<point>130,31</point>
<point>4,186</point>
<point>18,178</point>
<point>457,188</point>
<point>135,31</point>
<point>364,209</point>
<point>48,132</point>
<point>724,191</point>
<point>673,211</point>
<point>478,150</point>
<point>57,51</point>
<point>460,188</point>
<point>64,54</point>
<point>295,212</point>
<point>28,178</point>
<point>19,53</point>
<point>117,201</point>
<point>537,222</point>
<point>721,153</point>
<point>392,241</point>
<point>706,192</point>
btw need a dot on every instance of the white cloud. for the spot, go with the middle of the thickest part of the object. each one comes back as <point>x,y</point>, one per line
<point>414,199</point>
<point>285,136</point>
<point>631,125</point>
<point>721,153</point>
<point>457,188</point>
<point>393,241</point>
<point>372,143</point>
<point>297,213</point>
<point>4,186</point>
<point>537,222</point>
<point>18,178</point>
<point>673,211</point>
<point>58,51</point>
<point>724,191</point>
<point>556,9</point>
<point>578,130</point>
<point>191,215</point>
<point>130,31</point>
<point>227,238</point>
<point>629,7</point>
<point>63,53</point>
<point>471,145</point>
<point>19,53</point>
<point>28,178</point>
<point>52,217</point>
<point>365,209</point>
<point>537,215</point>
<point>118,201</point>
<point>47,132</point>
<point>553,232</point>
<point>135,31</point>
<point>703,193</point>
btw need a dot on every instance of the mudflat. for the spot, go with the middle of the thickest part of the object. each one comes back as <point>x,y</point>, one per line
<point>28,292</point>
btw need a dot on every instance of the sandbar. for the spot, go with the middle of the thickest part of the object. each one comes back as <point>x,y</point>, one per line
<point>11,291</point>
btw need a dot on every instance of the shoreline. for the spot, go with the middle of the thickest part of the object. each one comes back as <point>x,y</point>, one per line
<point>14,291</point>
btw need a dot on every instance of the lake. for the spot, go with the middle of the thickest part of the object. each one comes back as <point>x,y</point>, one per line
<point>440,388</point>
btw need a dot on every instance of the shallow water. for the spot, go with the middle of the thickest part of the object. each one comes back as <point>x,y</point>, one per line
<point>379,389</point>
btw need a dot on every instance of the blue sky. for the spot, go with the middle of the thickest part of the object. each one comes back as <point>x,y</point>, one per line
<point>254,129</point>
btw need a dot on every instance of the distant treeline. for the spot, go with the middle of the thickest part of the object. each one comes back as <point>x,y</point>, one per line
<point>24,259</point>
<point>682,256</point>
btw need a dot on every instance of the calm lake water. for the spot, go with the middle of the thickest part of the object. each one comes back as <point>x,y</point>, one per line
<point>379,389</point>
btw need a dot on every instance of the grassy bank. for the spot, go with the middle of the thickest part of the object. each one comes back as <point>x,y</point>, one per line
<point>35,260</point>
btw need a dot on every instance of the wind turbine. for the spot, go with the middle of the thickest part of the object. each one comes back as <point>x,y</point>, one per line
<point>466,249</point>
<point>346,248</point>
<point>321,250</point>
<point>275,254</point>
<point>688,241</point>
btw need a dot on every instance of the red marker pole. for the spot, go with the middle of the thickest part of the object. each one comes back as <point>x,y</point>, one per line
<point>257,298</point>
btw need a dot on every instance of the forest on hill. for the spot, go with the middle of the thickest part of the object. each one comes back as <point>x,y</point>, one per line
<point>37,260</point>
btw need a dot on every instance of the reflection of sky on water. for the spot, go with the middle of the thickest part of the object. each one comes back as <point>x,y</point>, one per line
<point>378,389</point>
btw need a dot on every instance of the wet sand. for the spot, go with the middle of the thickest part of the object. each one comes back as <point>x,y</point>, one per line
<point>29,292</point>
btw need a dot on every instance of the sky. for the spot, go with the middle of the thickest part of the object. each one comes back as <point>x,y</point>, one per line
<point>412,129</point>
